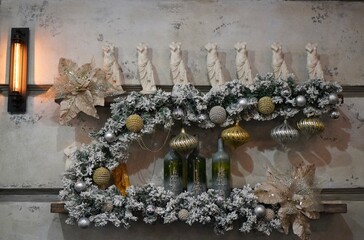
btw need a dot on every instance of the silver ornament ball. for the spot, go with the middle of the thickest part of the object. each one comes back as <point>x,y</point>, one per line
<point>301,101</point>
<point>260,211</point>
<point>150,210</point>
<point>80,186</point>
<point>333,98</point>
<point>178,114</point>
<point>334,114</point>
<point>183,214</point>
<point>286,92</point>
<point>109,137</point>
<point>243,102</point>
<point>83,223</point>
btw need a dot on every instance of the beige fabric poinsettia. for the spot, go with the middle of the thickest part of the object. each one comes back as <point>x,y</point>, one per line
<point>295,195</point>
<point>80,89</point>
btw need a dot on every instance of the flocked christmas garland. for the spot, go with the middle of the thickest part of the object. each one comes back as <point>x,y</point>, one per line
<point>86,202</point>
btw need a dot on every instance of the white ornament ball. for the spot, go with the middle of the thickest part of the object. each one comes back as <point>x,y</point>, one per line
<point>217,115</point>
<point>243,102</point>
<point>269,215</point>
<point>301,101</point>
<point>260,211</point>
<point>109,137</point>
<point>80,186</point>
<point>183,214</point>
<point>83,223</point>
<point>333,98</point>
<point>178,114</point>
<point>334,114</point>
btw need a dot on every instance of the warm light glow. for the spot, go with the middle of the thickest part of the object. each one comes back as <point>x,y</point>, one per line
<point>17,68</point>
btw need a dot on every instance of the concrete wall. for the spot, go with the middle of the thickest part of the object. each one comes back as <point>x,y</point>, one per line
<point>31,146</point>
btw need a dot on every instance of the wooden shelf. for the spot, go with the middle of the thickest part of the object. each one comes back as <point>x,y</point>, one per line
<point>328,207</point>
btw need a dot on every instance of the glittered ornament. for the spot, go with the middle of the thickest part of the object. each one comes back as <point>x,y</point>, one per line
<point>134,123</point>
<point>80,186</point>
<point>266,105</point>
<point>243,102</point>
<point>101,177</point>
<point>183,214</point>
<point>260,211</point>
<point>107,207</point>
<point>334,114</point>
<point>178,113</point>
<point>301,101</point>
<point>183,142</point>
<point>217,115</point>
<point>310,126</point>
<point>150,210</point>
<point>109,137</point>
<point>333,98</point>
<point>201,117</point>
<point>269,214</point>
<point>286,92</point>
<point>284,133</point>
<point>83,223</point>
<point>235,136</point>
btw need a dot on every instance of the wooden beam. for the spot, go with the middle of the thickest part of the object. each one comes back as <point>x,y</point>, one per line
<point>327,208</point>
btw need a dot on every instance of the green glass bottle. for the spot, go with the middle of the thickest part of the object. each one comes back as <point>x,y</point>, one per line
<point>196,172</point>
<point>173,172</point>
<point>221,170</point>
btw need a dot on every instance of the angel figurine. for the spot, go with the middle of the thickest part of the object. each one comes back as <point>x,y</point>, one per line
<point>279,65</point>
<point>313,62</point>
<point>243,69</point>
<point>214,69</point>
<point>114,73</point>
<point>177,66</point>
<point>145,70</point>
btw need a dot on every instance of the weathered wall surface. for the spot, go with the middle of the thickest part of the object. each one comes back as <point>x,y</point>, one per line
<point>31,146</point>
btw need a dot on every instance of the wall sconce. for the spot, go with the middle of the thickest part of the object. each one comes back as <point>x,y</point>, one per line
<point>18,72</point>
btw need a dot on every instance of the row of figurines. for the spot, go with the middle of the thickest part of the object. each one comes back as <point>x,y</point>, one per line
<point>214,67</point>
<point>190,173</point>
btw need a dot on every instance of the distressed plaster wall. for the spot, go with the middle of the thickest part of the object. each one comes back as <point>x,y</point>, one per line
<point>31,146</point>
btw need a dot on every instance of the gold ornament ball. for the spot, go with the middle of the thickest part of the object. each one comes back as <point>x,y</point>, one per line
<point>266,105</point>
<point>269,214</point>
<point>183,214</point>
<point>101,176</point>
<point>310,126</point>
<point>183,142</point>
<point>235,136</point>
<point>134,123</point>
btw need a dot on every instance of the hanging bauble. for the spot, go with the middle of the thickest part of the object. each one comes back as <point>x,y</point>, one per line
<point>101,176</point>
<point>183,214</point>
<point>80,186</point>
<point>108,206</point>
<point>301,101</point>
<point>260,211</point>
<point>83,223</point>
<point>269,214</point>
<point>134,123</point>
<point>284,133</point>
<point>202,117</point>
<point>334,114</point>
<point>243,102</point>
<point>266,105</point>
<point>217,115</point>
<point>109,137</point>
<point>178,113</point>
<point>333,98</point>
<point>310,126</point>
<point>235,136</point>
<point>183,142</point>
<point>286,92</point>
<point>150,210</point>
